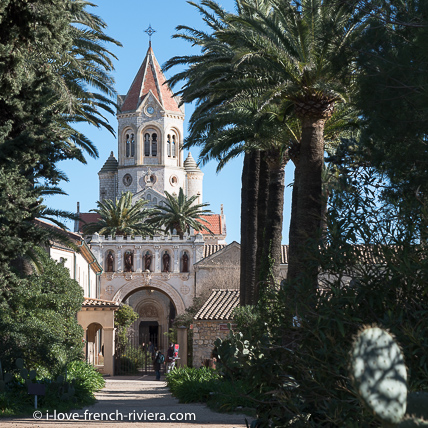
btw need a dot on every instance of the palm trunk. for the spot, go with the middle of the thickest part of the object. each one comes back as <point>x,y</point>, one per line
<point>308,212</point>
<point>249,194</point>
<point>271,259</point>
<point>262,205</point>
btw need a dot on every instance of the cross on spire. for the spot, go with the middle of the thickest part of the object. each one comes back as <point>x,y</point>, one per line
<point>150,32</point>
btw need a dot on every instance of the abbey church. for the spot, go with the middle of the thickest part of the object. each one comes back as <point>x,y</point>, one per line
<point>158,276</point>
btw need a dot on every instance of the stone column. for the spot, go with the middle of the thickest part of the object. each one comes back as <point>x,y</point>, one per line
<point>119,259</point>
<point>109,348</point>
<point>137,260</point>
<point>157,258</point>
<point>191,262</point>
<point>182,341</point>
<point>176,261</point>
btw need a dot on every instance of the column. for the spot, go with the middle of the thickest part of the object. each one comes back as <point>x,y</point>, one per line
<point>176,261</point>
<point>119,259</point>
<point>137,260</point>
<point>108,335</point>
<point>182,341</point>
<point>157,259</point>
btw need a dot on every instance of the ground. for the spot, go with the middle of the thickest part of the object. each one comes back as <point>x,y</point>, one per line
<point>129,396</point>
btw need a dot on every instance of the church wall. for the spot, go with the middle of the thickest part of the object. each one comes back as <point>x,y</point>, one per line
<point>180,286</point>
<point>216,276</point>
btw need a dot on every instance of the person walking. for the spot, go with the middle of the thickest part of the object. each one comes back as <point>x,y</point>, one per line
<point>159,359</point>
<point>169,357</point>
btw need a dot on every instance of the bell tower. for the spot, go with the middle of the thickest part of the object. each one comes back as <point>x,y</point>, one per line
<point>150,137</point>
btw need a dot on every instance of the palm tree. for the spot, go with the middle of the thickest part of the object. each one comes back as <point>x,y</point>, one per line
<point>283,55</point>
<point>120,217</point>
<point>301,53</point>
<point>229,121</point>
<point>180,213</point>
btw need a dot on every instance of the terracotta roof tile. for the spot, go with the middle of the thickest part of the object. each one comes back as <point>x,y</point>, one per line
<point>87,218</point>
<point>219,305</point>
<point>213,222</point>
<point>210,249</point>
<point>89,302</point>
<point>150,78</point>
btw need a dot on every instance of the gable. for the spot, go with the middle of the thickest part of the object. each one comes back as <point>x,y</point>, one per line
<point>228,255</point>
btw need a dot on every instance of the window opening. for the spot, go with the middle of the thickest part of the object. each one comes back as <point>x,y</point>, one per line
<point>168,145</point>
<point>147,145</point>
<point>154,144</point>
<point>173,146</point>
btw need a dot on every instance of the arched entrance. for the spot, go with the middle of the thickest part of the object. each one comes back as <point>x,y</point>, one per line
<point>156,312</point>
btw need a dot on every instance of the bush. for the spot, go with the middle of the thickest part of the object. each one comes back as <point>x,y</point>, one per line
<point>64,392</point>
<point>191,385</point>
<point>206,385</point>
<point>299,367</point>
<point>85,377</point>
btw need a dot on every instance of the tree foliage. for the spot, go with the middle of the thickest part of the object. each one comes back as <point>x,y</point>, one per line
<point>180,213</point>
<point>120,217</point>
<point>51,54</point>
<point>38,318</point>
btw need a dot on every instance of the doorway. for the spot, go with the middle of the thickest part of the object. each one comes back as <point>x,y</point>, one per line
<point>149,332</point>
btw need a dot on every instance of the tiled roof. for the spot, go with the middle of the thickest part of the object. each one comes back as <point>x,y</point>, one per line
<point>219,305</point>
<point>150,78</point>
<point>213,223</point>
<point>71,235</point>
<point>210,249</point>
<point>91,303</point>
<point>87,218</point>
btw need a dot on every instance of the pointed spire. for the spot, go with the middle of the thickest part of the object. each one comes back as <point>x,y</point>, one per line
<point>190,163</point>
<point>150,79</point>
<point>110,164</point>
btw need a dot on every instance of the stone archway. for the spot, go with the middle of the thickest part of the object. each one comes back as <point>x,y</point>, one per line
<point>132,286</point>
<point>97,320</point>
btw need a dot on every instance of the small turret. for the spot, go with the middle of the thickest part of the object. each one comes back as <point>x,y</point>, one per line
<point>194,178</point>
<point>108,178</point>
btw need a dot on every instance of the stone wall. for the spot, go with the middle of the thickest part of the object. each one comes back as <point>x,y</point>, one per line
<point>205,332</point>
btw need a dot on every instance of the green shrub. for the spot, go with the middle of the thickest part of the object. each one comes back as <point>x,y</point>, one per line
<point>206,385</point>
<point>191,385</point>
<point>85,377</point>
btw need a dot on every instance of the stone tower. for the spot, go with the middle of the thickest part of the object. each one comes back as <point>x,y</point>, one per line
<point>150,137</point>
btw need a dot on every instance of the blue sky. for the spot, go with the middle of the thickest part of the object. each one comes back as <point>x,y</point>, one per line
<point>127,20</point>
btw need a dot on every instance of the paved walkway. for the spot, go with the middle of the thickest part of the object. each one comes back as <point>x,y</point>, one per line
<point>138,402</point>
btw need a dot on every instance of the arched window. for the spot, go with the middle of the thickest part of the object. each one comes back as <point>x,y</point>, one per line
<point>128,146</point>
<point>147,145</point>
<point>149,197</point>
<point>155,201</point>
<point>154,144</point>
<point>168,146</point>
<point>132,146</point>
<point>173,146</point>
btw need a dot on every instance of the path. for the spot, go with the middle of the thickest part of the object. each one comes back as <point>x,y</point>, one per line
<point>126,399</point>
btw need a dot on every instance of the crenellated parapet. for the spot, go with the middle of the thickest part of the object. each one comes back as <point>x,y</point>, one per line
<point>160,254</point>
